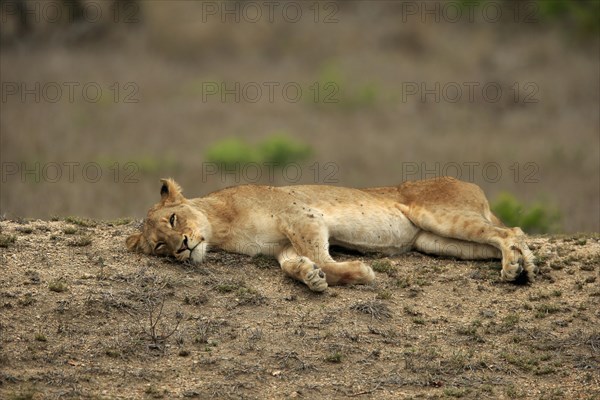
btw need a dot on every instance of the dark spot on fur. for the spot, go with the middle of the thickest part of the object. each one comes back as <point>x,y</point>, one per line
<point>346,277</point>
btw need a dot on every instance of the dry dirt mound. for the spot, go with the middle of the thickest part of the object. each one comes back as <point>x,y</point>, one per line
<point>80,317</point>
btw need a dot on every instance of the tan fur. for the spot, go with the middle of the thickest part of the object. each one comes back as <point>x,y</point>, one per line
<point>296,224</point>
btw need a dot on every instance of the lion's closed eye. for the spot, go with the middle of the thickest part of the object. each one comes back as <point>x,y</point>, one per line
<point>159,246</point>
<point>172,220</point>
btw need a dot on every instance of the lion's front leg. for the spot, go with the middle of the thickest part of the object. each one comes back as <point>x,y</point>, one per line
<point>302,269</point>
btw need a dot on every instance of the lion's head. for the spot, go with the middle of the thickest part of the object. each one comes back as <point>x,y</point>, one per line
<point>173,227</point>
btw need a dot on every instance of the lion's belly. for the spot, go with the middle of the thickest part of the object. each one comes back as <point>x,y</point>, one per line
<point>371,228</point>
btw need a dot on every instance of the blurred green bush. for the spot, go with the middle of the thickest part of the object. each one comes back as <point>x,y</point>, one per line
<point>229,152</point>
<point>584,14</point>
<point>538,217</point>
<point>278,149</point>
<point>281,150</point>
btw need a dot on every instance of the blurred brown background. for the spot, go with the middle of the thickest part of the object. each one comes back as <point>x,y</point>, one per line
<point>100,99</point>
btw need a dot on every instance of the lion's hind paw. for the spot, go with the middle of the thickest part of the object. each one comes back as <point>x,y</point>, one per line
<point>519,260</point>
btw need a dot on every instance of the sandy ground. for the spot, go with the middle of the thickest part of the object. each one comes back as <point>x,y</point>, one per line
<point>82,318</point>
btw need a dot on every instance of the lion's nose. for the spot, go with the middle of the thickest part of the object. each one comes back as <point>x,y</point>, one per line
<point>184,245</point>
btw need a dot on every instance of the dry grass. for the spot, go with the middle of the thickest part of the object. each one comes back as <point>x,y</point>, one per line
<point>7,240</point>
<point>376,309</point>
<point>121,324</point>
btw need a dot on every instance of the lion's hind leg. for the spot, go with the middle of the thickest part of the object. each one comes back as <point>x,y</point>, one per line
<point>473,226</point>
<point>430,243</point>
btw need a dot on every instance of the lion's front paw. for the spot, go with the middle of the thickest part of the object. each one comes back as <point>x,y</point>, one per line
<point>315,279</point>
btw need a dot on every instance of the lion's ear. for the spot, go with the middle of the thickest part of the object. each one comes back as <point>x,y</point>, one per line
<point>170,191</point>
<point>134,242</point>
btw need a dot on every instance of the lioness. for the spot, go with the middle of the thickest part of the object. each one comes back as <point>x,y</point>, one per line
<point>296,224</point>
